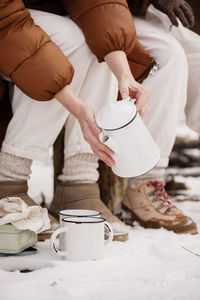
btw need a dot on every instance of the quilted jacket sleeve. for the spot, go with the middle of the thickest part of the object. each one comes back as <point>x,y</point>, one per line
<point>140,62</point>
<point>107,25</point>
<point>28,56</point>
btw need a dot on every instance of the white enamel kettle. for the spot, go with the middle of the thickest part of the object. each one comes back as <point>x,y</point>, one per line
<point>124,131</point>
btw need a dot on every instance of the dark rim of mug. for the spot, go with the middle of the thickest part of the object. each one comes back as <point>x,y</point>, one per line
<point>86,216</point>
<point>98,220</point>
<point>123,125</point>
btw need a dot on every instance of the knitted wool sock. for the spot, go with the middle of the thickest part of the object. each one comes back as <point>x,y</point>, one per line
<point>156,173</point>
<point>80,167</point>
<point>14,168</point>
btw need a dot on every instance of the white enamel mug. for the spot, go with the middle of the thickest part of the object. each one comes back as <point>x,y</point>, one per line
<point>65,213</point>
<point>83,238</point>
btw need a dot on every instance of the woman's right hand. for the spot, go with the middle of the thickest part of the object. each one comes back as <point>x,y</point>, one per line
<point>91,133</point>
<point>128,87</point>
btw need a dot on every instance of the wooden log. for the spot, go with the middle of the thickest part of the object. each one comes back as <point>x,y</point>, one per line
<point>112,187</point>
<point>58,156</point>
<point>5,112</point>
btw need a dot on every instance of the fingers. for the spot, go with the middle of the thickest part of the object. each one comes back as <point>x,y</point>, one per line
<point>179,13</point>
<point>95,142</point>
<point>173,18</point>
<point>143,99</point>
<point>124,90</point>
<point>99,149</point>
<point>143,112</point>
<point>92,124</point>
<point>91,132</point>
<point>134,92</point>
<point>95,128</point>
<point>104,157</point>
<point>187,10</point>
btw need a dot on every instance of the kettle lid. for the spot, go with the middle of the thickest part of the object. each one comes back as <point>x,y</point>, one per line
<point>116,115</point>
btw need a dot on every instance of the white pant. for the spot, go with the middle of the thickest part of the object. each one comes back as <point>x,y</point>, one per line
<point>35,125</point>
<point>176,82</point>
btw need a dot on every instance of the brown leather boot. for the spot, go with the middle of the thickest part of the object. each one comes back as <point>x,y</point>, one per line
<point>74,195</point>
<point>151,206</point>
<point>20,189</point>
<point>12,188</point>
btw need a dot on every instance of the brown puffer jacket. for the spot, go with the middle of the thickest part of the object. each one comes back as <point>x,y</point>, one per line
<point>28,56</point>
<point>112,29</point>
<point>36,65</point>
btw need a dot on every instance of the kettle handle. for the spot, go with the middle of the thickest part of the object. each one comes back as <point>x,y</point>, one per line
<point>129,99</point>
<point>109,141</point>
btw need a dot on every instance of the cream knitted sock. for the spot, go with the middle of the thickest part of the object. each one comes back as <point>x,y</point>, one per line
<point>14,168</point>
<point>80,167</point>
<point>155,173</point>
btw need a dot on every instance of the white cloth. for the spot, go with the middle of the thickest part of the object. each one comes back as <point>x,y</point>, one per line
<point>177,81</point>
<point>35,125</point>
<point>13,210</point>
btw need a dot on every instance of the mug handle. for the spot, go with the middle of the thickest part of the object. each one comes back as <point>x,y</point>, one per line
<point>110,235</point>
<point>54,238</point>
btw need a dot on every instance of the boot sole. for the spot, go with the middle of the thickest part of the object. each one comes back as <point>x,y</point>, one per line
<point>150,224</point>
<point>120,238</point>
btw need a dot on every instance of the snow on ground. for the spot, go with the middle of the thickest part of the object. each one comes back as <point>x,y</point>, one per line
<point>41,181</point>
<point>152,264</point>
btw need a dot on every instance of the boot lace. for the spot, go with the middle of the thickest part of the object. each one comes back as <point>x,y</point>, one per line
<point>161,195</point>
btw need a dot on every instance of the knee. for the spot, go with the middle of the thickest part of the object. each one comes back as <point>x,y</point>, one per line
<point>174,57</point>
<point>73,31</point>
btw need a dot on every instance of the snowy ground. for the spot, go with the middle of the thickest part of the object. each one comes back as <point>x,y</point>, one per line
<point>152,264</point>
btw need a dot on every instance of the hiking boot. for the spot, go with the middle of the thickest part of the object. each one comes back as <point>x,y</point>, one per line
<point>20,189</point>
<point>74,195</point>
<point>151,206</point>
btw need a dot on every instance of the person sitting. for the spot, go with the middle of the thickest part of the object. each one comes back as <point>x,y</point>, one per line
<point>162,28</point>
<point>44,51</point>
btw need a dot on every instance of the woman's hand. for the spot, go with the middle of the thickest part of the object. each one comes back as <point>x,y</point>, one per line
<point>128,87</point>
<point>85,115</point>
<point>91,133</point>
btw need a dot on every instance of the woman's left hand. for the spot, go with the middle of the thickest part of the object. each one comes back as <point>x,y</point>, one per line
<point>86,118</point>
<point>128,87</point>
<point>91,133</point>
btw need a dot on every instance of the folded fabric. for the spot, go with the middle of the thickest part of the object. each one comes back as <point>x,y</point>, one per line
<point>13,210</point>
